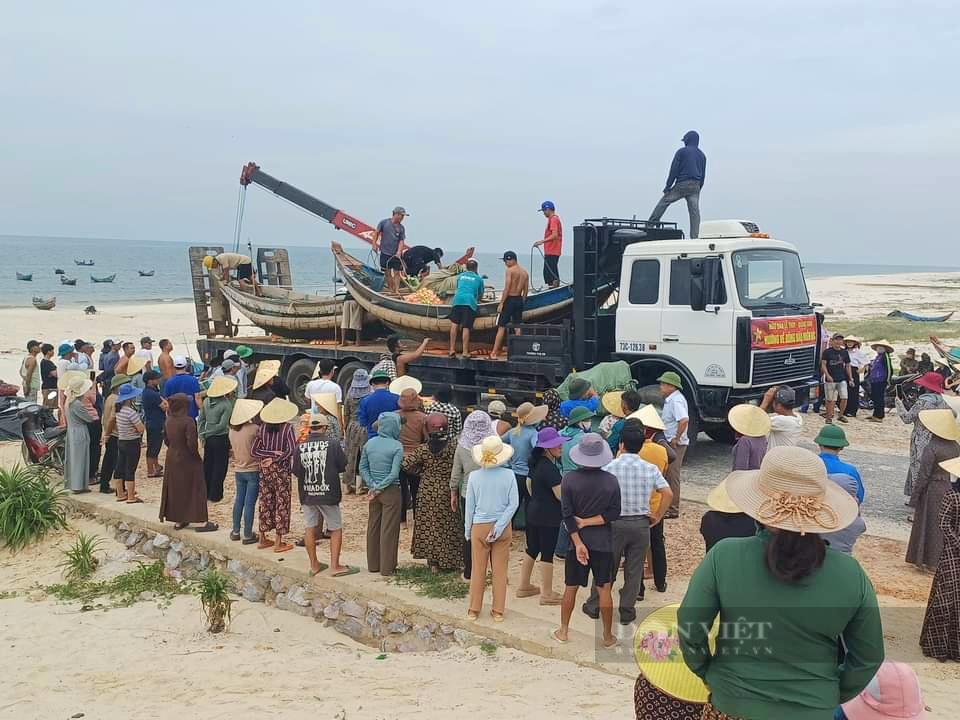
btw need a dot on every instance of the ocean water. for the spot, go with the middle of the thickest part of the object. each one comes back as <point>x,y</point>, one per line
<point>312,269</point>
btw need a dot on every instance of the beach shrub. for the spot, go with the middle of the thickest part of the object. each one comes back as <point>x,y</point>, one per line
<point>31,505</point>
<point>125,589</point>
<point>214,591</point>
<point>79,561</point>
<point>445,585</point>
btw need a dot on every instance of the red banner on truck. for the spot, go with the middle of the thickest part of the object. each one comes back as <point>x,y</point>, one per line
<point>783,332</point>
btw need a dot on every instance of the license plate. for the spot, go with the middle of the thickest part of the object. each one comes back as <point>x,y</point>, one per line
<point>631,346</point>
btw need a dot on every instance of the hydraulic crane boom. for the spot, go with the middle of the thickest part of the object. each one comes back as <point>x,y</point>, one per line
<point>338,218</point>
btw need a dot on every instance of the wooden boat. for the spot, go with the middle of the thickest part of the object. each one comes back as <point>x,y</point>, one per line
<point>64,280</point>
<point>920,318</point>
<point>84,263</point>
<point>287,313</point>
<point>58,271</point>
<point>146,273</point>
<point>107,279</point>
<point>364,284</point>
<point>26,277</point>
<point>45,303</point>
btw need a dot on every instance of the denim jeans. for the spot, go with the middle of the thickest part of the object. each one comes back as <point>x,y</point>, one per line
<point>248,487</point>
<point>688,190</point>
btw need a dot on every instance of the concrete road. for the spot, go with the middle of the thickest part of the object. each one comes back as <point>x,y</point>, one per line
<point>883,478</point>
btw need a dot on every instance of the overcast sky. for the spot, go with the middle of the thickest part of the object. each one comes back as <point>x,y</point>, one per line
<point>832,124</point>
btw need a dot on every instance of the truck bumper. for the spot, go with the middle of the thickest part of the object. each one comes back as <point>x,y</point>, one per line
<point>715,402</point>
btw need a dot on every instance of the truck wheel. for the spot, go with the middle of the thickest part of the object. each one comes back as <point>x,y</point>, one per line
<point>720,434</point>
<point>298,376</point>
<point>345,376</point>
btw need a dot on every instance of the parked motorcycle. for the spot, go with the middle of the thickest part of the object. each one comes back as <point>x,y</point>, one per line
<point>900,386</point>
<point>43,442</point>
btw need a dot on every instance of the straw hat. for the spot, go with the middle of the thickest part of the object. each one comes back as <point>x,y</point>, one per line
<point>791,491</point>
<point>941,423</point>
<point>530,414</point>
<point>853,339</point>
<point>279,411</point>
<point>244,411</point>
<point>64,382</point>
<point>78,386</point>
<point>221,385</point>
<point>719,499</point>
<point>135,364</point>
<point>649,416</point>
<point>656,647</point>
<point>953,401</point>
<point>266,371</point>
<point>328,401</point>
<point>952,466</point>
<point>749,420</point>
<point>405,382</point>
<point>612,402</point>
<point>882,343</point>
<point>496,407</point>
<point>491,452</point>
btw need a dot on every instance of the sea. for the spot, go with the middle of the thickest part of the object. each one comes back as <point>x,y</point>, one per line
<point>312,269</point>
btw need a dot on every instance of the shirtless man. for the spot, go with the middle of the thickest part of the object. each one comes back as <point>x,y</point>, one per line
<point>512,298</point>
<point>128,349</point>
<point>165,362</point>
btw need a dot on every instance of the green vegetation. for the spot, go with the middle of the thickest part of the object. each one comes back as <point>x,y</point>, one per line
<point>214,592</point>
<point>30,505</point>
<point>488,647</point>
<point>80,562</point>
<point>123,590</point>
<point>880,327</point>
<point>447,585</point>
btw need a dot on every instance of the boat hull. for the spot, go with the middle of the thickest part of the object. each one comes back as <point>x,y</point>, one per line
<point>286,313</point>
<point>920,318</point>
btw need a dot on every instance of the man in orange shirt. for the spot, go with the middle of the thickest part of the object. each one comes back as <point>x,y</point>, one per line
<point>552,244</point>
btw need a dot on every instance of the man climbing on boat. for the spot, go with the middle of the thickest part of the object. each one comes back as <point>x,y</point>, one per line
<point>390,241</point>
<point>419,257</point>
<point>515,285</point>
<point>226,262</point>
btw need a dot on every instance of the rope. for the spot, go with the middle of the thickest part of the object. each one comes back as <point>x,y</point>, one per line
<point>241,202</point>
<point>530,274</point>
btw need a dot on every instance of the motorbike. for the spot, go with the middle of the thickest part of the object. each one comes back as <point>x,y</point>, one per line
<point>900,386</point>
<point>42,441</point>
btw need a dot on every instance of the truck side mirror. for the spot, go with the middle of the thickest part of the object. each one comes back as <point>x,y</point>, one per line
<point>705,283</point>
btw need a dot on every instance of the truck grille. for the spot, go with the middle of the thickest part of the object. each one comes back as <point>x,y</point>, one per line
<point>780,365</point>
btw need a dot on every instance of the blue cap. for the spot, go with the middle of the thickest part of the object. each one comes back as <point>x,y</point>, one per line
<point>65,349</point>
<point>547,205</point>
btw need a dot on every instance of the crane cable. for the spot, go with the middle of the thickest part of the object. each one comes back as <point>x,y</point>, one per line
<point>241,201</point>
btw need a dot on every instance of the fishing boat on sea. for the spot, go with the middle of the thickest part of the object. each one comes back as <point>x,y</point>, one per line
<point>107,279</point>
<point>287,313</point>
<point>58,271</point>
<point>84,263</point>
<point>146,273</point>
<point>26,277</point>
<point>366,287</point>
<point>920,318</point>
<point>45,303</point>
<point>64,280</point>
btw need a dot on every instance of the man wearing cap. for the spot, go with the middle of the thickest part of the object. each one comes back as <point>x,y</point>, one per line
<point>146,352</point>
<point>687,173</point>
<point>67,355</point>
<point>581,394</point>
<point>786,426</point>
<point>552,244</point>
<point>244,353</point>
<point>419,257</point>
<point>831,440</point>
<point>514,295</point>
<point>381,400</point>
<point>390,241</point>
<point>676,419</point>
<point>837,376</point>
<point>184,382</point>
<point>228,261</point>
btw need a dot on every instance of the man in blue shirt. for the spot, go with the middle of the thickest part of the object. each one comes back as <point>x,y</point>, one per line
<point>687,173</point>
<point>469,292</point>
<point>831,440</point>
<point>184,382</point>
<point>381,400</point>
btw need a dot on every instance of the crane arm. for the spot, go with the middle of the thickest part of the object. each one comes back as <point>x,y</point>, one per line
<point>253,174</point>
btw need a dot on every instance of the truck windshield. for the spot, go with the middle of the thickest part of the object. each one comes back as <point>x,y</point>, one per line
<point>768,278</point>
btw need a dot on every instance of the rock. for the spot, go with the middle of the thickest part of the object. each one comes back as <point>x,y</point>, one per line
<point>204,561</point>
<point>827,311</point>
<point>409,646</point>
<point>128,556</point>
<point>147,548</point>
<point>36,595</point>
<point>173,559</point>
<point>353,609</point>
<point>177,545</point>
<point>296,595</point>
<point>123,527</point>
<point>376,607</point>
<point>161,541</point>
<point>461,636</point>
<point>398,627</point>
<point>331,612</point>
<point>146,596</point>
<point>133,538</point>
<point>422,633</point>
<point>278,584</point>
<point>252,593</point>
<point>350,627</point>
<point>235,567</point>
<point>373,622</point>
<point>446,629</point>
<point>218,556</point>
<point>441,643</point>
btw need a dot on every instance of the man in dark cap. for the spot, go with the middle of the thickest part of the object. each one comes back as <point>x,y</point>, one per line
<point>514,295</point>
<point>687,172</point>
<point>390,241</point>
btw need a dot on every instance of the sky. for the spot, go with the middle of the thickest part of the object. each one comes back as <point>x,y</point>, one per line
<point>831,124</point>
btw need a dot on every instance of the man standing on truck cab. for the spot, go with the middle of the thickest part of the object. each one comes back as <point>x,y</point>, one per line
<point>514,295</point>
<point>676,419</point>
<point>687,173</point>
<point>390,241</point>
<point>464,312</point>
<point>552,244</point>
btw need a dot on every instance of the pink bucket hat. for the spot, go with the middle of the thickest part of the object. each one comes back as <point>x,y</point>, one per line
<point>894,692</point>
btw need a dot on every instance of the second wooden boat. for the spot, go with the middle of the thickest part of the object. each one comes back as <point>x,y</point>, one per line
<point>45,303</point>
<point>287,313</point>
<point>920,318</point>
<point>64,280</point>
<point>107,279</point>
<point>27,277</point>
<point>146,273</point>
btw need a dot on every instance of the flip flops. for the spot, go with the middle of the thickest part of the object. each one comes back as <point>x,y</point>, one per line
<point>209,527</point>
<point>553,636</point>
<point>349,571</point>
<point>312,572</point>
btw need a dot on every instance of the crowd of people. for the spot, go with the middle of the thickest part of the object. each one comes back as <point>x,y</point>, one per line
<point>589,478</point>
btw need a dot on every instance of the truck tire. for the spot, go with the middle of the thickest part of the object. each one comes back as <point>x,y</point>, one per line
<point>345,376</point>
<point>298,376</point>
<point>722,434</point>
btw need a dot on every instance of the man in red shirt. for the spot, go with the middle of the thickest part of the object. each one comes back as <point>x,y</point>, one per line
<point>552,244</point>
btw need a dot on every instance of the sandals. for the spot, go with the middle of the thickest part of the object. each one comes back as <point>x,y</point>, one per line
<point>312,572</point>
<point>134,501</point>
<point>555,638</point>
<point>349,571</point>
<point>180,526</point>
<point>208,527</point>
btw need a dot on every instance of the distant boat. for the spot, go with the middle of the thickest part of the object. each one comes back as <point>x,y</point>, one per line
<point>27,278</point>
<point>64,280</point>
<point>45,303</point>
<point>86,263</point>
<point>107,279</point>
<point>58,271</point>
<point>146,273</point>
<point>919,318</point>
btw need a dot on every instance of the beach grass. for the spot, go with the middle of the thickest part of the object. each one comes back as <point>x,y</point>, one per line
<point>79,561</point>
<point>125,589</point>
<point>881,327</point>
<point>444,585</point>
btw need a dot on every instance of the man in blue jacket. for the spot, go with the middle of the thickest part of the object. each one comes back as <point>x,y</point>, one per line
<point>687,172</point>
<point>381,400</point>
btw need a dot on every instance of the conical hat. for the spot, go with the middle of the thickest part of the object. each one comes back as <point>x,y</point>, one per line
<point>656,646</point>
<point>244,411</point>
<point>719,499</point>
<point>221,385</point>
<point>279,411</point>
<point>64,381</point>
<point>952,466</point>
<point>611,402</point>
<point>328,401</point>
<point>135,364</point>
<point>749,420</point>
<point>266,371</point>
<point>405,382</point>
<point>649,416</point>
<point>941,423</point>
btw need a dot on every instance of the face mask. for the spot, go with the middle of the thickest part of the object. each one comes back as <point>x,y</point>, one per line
<point>585,425</point>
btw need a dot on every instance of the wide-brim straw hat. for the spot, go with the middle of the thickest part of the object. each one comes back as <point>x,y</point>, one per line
<point>244,411</point>
<point>135,364</point>
<point>64,381</point>
<point>612,403</point>
<point>491,452</point>
<point>791,491</point>
<point>405,382</point>
<point>266,371</point>
<point>853,339</point>
<point>719,499</point>
<point>78,386</point>
<point>941,423</point>
<point>749,420</point>
<point>649,416</point>
<point>279,411</point>
<point>656,646</point>
<point>530,414</point>
<point>952,466</point>
<point>221,385</point>
<point>881,343</point>
<point>328,401</point>
<point>953,401</point>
